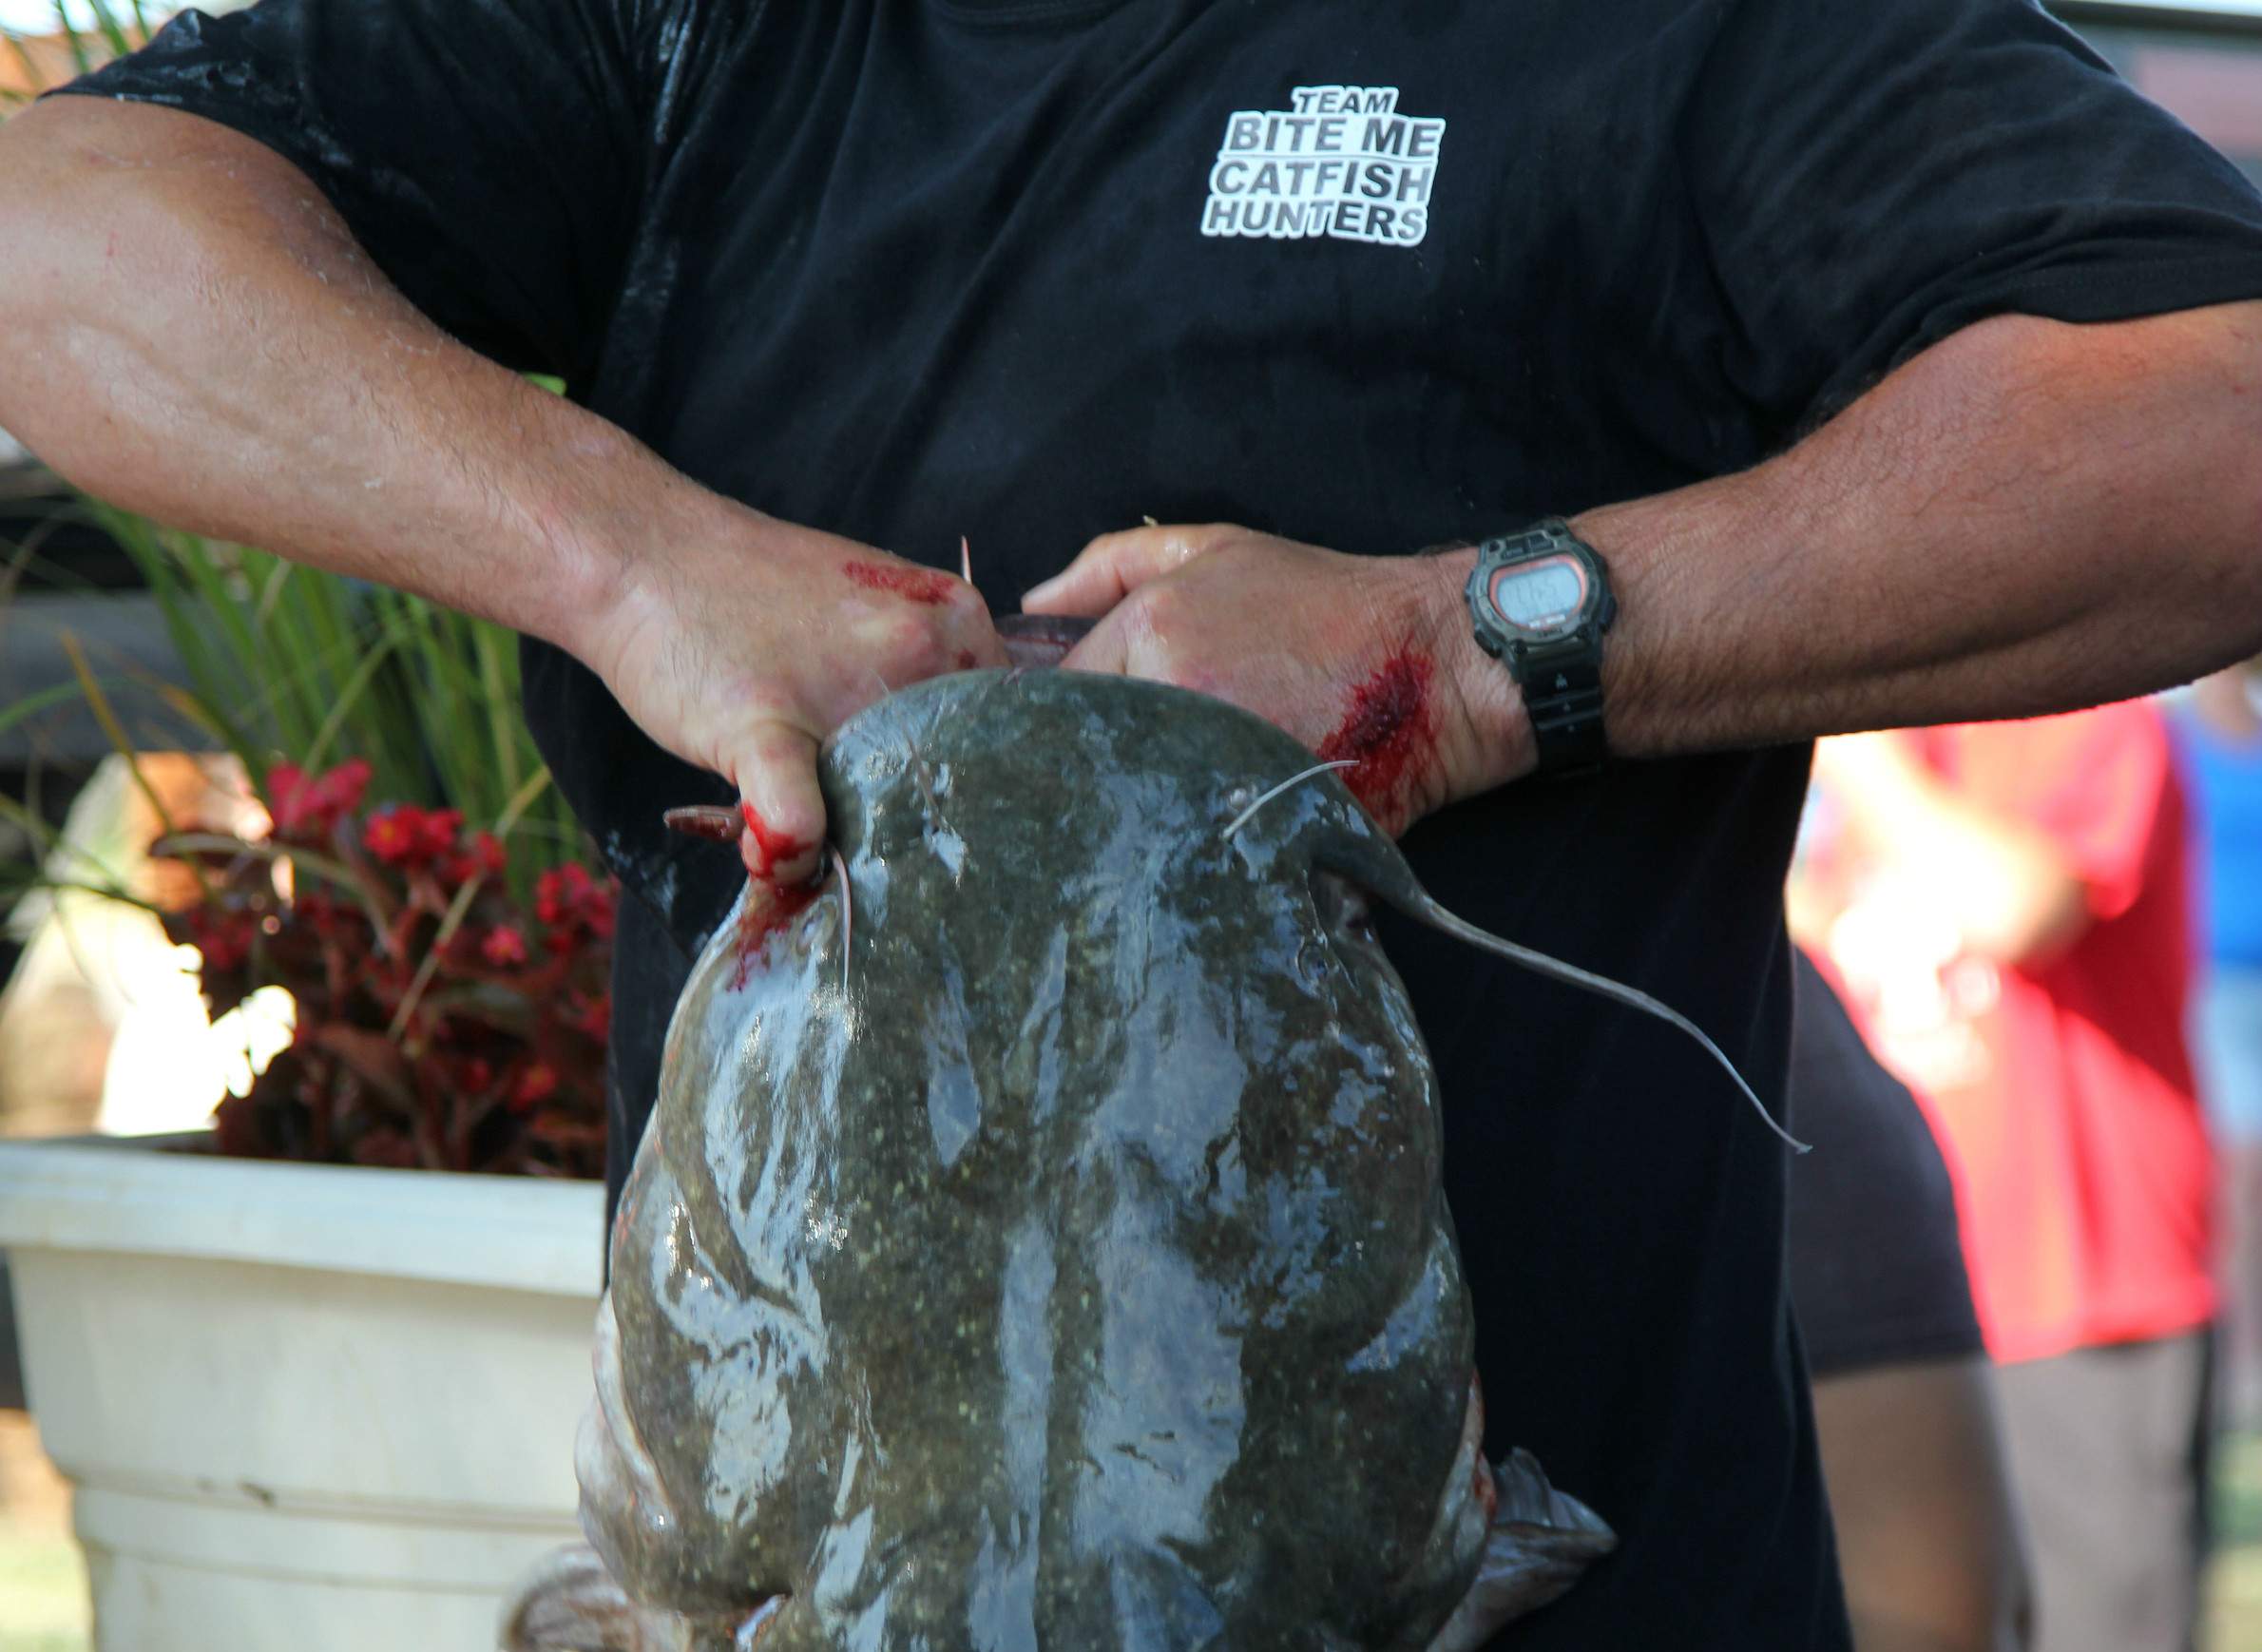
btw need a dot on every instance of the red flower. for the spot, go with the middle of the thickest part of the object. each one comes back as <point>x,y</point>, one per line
<point>484,859</point>
<point>300,806</point>
<point>560,891</point>
<point>568,899</point>
<point>395,835</point>
<point>405,835</point>
<point>504,946</point>
<point>286,796</point>
<point>436,830</point>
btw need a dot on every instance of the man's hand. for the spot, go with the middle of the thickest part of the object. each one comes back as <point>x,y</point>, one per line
<point>741,654</point>
<point>1364,658</point>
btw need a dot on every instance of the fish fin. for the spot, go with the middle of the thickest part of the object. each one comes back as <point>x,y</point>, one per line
<point>1539,1542</point>
<point>570,1602</point>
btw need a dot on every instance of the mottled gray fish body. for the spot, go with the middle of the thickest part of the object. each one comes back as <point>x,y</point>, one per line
<point>1080,1275</point>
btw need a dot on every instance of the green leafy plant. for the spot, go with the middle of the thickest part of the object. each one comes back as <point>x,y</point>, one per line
<point>286,664</point>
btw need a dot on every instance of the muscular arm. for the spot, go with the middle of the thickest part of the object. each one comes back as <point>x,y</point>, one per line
<point>188,328</point>
<point>2027,517</point>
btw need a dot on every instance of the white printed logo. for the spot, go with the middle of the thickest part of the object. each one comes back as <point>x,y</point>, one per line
<point>1340,160</point>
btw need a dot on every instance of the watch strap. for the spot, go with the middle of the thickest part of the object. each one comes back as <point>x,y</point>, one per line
<point>1562,696</point>
<point>1562,678</point>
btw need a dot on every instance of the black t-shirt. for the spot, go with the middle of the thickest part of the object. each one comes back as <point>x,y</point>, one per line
<point>1877,1272</point>
<point>1372,277</point>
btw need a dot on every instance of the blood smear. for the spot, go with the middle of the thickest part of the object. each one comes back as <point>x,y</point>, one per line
<point>918,585</point>
<point>1387,732</point>
<point>770,905</point>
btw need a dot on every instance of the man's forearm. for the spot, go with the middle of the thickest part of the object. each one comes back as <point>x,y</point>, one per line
<point>187,329</point>
<point>2026,518</point>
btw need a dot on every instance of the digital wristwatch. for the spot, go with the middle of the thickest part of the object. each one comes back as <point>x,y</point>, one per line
<point>1541,600</point>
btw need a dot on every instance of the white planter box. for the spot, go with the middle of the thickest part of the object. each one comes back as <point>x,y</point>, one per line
<point>303,1409</point>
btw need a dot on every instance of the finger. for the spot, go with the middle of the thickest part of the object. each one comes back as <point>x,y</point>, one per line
<point>775,770</point>
<point>1115,565</point>
<point>1103,651</point>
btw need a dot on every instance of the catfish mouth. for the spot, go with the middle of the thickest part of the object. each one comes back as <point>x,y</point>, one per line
<point>1041,639</point>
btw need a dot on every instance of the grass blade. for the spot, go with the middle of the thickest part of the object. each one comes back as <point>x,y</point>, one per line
<point>99,703</point>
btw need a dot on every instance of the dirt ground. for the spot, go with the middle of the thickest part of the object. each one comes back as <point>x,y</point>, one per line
<point>43,1583</point>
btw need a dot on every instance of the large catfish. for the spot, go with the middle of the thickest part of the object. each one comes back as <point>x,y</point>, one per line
<point>1050,1252</point>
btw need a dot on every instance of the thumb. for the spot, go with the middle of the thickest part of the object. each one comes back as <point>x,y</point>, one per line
<point>1105,651</point>
<point>775,770</point>
<point>1115,565</point>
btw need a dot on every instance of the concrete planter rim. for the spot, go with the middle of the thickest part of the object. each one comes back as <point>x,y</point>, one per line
<point>142,1196</point>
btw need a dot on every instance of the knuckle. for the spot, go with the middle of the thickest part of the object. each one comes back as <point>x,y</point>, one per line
<point>777,747</point>
<point>1149,642</point>
<point>920,644</point>
<point>965,610</point>
<point>1156,611</point>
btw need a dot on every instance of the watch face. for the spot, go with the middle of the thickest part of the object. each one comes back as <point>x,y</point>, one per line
<point>1541,599</point>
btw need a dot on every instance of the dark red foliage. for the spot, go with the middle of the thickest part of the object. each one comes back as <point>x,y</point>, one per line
<point>498,1062</point>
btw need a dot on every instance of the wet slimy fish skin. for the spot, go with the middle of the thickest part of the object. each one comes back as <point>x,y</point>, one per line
<point>1076,1274</point>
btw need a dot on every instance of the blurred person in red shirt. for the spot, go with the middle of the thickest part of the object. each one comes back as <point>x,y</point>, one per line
<point>2008,908</point>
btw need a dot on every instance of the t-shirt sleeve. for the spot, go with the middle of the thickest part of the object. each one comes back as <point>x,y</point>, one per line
<point>1868,179</point>
<point>488,154</point>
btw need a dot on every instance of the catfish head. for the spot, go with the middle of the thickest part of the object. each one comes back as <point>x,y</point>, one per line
<point>1040,1241</point>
